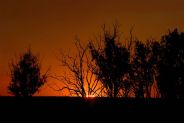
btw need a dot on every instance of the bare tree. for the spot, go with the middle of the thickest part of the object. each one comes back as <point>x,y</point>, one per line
<point>79,78</point>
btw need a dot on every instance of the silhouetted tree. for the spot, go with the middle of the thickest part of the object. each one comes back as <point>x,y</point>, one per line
<point>111,60</point>
<point>156,50</point>
<point>79,78</point>
<point>142,70</point>
<point>26,78</point>
<point>171,65</point>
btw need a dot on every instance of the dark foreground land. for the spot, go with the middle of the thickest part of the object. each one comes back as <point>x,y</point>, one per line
<point>72,109</point>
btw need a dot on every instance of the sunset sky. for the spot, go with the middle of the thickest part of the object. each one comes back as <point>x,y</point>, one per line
<point>48,26</point>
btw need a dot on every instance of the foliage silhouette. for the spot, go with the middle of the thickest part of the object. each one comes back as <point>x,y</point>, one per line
<point>111,69</point>
<point>142,69</point>
<point>26,78</point>
<point>111,60</point>
<point>154,65</point>
<point>156,50</point>
<point>171,65</point>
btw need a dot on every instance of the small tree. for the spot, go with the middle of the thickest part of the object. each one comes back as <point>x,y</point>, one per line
<point>26,78</point>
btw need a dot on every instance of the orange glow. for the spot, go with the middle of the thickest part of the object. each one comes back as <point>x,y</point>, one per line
<point>90,96</point>
<point>51,25</point>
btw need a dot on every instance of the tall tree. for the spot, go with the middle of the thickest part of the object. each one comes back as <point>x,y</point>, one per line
<point>26,78</point>
<point>171,65</point>
<point>111,60</point>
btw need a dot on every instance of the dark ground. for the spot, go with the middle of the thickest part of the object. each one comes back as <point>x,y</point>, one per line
<point>71,109</point>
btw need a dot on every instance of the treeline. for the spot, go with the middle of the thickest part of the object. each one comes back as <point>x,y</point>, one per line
<point>108,67</point>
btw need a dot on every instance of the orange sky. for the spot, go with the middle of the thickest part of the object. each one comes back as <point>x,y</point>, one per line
<point>50,25</point>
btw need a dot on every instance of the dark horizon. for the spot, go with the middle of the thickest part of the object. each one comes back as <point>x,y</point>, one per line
<point>44,109</point>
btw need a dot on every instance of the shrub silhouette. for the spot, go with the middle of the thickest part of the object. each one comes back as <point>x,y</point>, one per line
<point>111,60</point>
<point>171,65</point>
<point>26,78</point>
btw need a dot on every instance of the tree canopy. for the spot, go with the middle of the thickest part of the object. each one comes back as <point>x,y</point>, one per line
<point>26,78</point>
